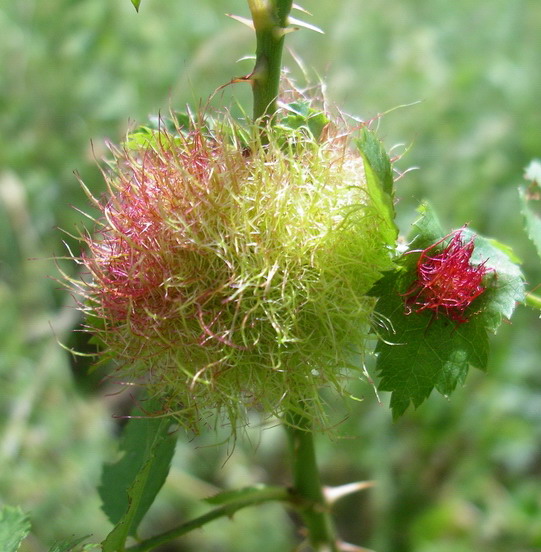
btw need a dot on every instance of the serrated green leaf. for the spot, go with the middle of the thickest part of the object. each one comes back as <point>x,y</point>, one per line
<point>374,153</point>
<point>136,4</point>
<point>379,181</point>
<point>530,201</point>
<point>14,528</point>
<point>507,250</point>
<point>129,486</point>
<point>426,230</point>
<point>507,284</point>
<point>67,545</point>
<point>418,352</point>
<point>531,209</point>
<point>226,497</point>
<point>302,115</point>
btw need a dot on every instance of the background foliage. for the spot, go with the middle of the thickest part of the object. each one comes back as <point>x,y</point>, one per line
<point>455,475</point>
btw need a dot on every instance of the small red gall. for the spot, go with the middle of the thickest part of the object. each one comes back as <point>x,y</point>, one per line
<point>447,282</point>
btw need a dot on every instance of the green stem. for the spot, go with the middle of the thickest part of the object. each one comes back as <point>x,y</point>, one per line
<point>307,485</point>
<point>255,497</point>
<point>533,300</point>
<point>270,22</point>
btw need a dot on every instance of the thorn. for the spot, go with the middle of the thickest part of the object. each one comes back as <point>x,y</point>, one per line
<point>300,8</point>
<point>333,494</point>
<point>298,23</point>
<point>282,31</point>
<point>347,547</point>
<point>246,58</point>
<point>244,20</point>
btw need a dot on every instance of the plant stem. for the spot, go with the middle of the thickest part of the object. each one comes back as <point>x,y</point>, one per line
<point>270,22</point>
<point>307,485</point>
<point>256,496</point>
<point>533,300</point>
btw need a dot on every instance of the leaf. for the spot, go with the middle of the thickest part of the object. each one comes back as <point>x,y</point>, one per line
<point>226,497</point>
<point>141,138</point>
<point>14,528</point>
<point>301,115</point>
<point>506,289</point>
<point>506,249</point>
<point>533,172</point>
<point>532,221</point>
<point>426,229</point>
<point>67,545</point>
<point>374,153</point>
<point>379,181</point>
<point>129,486</point>
<point>164,132</point>
<point>530,201</point>
<point>136,4</point>
<point>418,352</point>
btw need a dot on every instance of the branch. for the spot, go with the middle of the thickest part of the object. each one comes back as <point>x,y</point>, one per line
<point>266,494</point>
<point>307,489</point>
<point>270,22</point>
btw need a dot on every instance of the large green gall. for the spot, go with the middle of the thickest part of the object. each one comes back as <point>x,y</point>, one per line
<point>230,272</point>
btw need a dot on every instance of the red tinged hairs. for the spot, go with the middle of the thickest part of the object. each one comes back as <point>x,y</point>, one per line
<point>447,281</point>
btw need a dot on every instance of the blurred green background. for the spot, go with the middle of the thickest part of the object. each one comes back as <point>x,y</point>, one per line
<point>455,476</point>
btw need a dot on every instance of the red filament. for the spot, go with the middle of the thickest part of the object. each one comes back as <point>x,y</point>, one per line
<point>447,281</point>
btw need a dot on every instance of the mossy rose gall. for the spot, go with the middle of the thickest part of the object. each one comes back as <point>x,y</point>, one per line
<point>225,273</point>
<point>447,281</point>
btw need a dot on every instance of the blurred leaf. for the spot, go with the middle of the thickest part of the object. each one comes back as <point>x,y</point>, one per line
<point>141,138</point>
<point>533,172</point>
<point>67,545</point>
<point>379,180</point>
<point>136,4</point>
<point>129,486</point>
<point>530,200</point>
<point>302,115</point>
<point>152,135</point>
<point>532,221</point>
<point>418,352</point>
<point>14,527</point>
